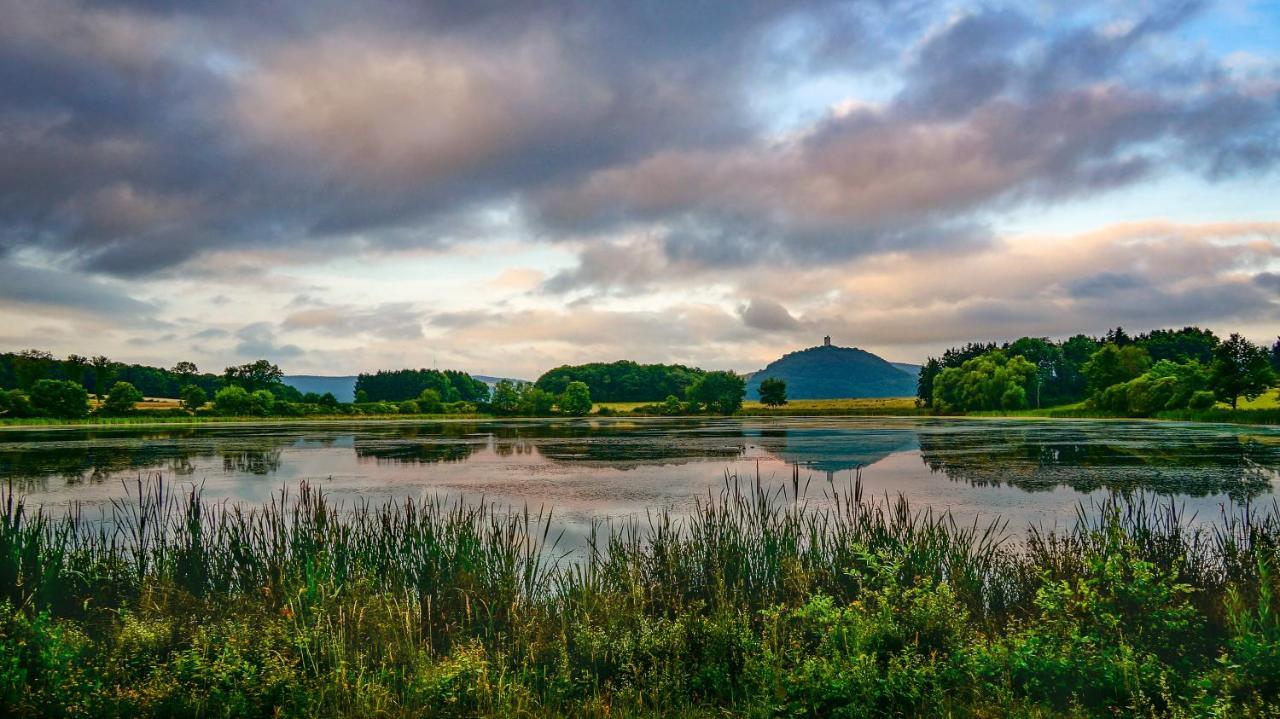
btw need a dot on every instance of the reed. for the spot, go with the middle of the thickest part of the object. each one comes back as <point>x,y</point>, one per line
<point>765,600</point>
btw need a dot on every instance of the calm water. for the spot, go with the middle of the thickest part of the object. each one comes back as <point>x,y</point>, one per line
<point>1026,472</point>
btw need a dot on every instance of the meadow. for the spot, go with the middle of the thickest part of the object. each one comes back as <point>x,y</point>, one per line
<point>756,605</point>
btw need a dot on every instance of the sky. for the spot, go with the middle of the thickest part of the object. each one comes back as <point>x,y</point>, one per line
<point>342,186</point>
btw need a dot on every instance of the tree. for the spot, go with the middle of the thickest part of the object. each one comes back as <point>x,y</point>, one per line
<point>232,400</point>
<point>59,398</point>
<point>260,374</point>
<point>1045,355</point>
<point>1240,368</point>
<point>1114,365</point>
<point>1275,355</point>
<point>671,406</point>
<point>924,382</point>
<point>193,397</point>
<point>991,381</point>
<point>575,401</point>
<point>719,392</point>
<point>430,402</point>
<point>773,392</point>
<point>506,398</point>
<point>535,402</point>
<point>103,370</point>
<point>185,370</point>
<point>31,366</point>
<point>16,403</point>
<point>121,399</point>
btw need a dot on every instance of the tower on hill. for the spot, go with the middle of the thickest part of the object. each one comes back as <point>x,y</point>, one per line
<point>826,341</point>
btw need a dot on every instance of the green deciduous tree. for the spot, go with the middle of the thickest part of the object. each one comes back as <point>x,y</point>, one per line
<point>773,392</point>
<point>193,397</point>
<point>256,375</point>
<point>575,401</point>
<point>103,370</point>
<point>991,381</point>
<point>430,401</point>
<point>237,401</point>
<point>1240,369</point>
<point>121,399</point>
<point>506,398</point>
<point>59,398</point>
<point>718,392</point>
<point>535,402</point>
<point>1114,364</point>
<point>16,403</point>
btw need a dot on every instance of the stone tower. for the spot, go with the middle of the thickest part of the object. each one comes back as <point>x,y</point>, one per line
<point>826,341</point>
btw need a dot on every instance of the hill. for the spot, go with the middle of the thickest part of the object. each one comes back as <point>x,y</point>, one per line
<point>829,372</point>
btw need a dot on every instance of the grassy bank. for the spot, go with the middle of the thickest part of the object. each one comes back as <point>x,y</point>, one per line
<point>753,607</point>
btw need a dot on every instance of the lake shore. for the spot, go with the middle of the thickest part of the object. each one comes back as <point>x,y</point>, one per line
<point>1263,411</point>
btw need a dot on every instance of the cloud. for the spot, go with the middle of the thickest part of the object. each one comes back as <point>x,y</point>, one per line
<point>43,287</point>
<point>392,321</point>
<point>258,340</point>
<point>768,315</point>
<point>137,139</point>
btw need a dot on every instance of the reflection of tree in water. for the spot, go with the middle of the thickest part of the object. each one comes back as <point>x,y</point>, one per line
<point>615,444</point>
<point>97,457</point>
<point>1113,456</point>
<point>425,451</point>
<point>250,461</point>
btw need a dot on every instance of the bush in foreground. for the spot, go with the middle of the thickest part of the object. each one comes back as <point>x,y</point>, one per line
<point>756,605</point>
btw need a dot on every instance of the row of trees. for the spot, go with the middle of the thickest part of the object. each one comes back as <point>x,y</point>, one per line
<point>1137,376</point>
<point>408,384</point>
<point>623,381</point>
<point>21,370</point>
<point>527,399</point>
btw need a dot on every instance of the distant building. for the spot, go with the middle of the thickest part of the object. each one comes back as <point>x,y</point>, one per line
<point>826,341</point>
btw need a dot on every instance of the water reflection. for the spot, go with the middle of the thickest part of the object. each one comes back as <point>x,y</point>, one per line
<point>1195,461</point>
<point>1183,460</point>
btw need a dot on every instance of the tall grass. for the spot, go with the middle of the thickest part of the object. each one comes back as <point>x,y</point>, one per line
<point>762,601</point>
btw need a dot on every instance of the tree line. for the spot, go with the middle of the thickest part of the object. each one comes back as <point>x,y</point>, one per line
<point>407,384</point>
<point>623,381</point>
<point>35,384</point>
<point>1165,369</point>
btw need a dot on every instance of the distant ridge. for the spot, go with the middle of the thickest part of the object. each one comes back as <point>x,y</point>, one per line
<point>830,372</point>
<point>343,388</point>
<point>911,369</point>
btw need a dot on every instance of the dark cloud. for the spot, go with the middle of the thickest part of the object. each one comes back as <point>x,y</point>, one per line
<point>139,135</point>
<point>765,314</point>
<point>1105,284</point>
<point>69,290</point>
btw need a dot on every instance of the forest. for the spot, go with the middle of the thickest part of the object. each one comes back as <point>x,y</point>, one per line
<point>1127,375</point>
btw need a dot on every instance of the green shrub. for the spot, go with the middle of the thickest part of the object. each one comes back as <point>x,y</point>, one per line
<point>122,399</point>
<point>193,397</point>
<point>1202,399</point>
<point>59,398</point>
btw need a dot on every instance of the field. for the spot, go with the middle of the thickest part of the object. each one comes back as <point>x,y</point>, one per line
<point>756,606</point>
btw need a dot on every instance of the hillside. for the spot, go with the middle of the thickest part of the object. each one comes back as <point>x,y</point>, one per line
<point>829,372</point>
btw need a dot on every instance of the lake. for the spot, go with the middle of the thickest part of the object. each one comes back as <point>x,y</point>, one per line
<point>589,470</point>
